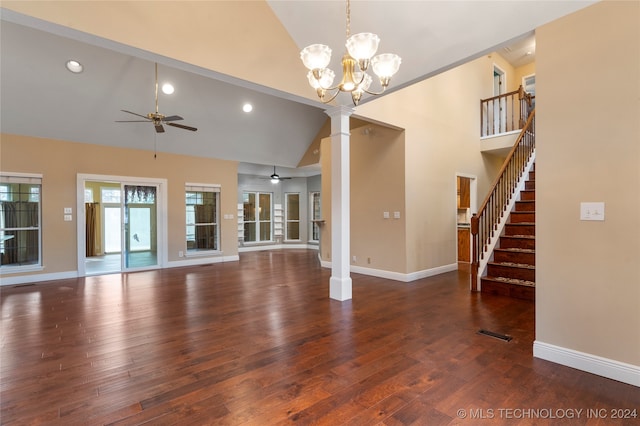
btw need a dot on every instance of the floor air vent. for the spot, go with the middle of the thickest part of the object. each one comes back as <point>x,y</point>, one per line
<point>504,337</point>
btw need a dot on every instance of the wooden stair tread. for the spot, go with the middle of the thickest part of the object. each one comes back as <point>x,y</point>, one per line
<point>513,281</point>
<point>513,265</point>
<point>511,271</point>
<point>515,250</point>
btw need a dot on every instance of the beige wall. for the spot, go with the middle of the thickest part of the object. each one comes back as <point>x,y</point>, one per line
<point>523,71</point>
<point>588,149</point>
<point>377,182</point>
<point>441,119</point>
<point>60,162</point>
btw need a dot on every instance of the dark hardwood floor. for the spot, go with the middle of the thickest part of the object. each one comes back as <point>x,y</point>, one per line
<point>259,342</point>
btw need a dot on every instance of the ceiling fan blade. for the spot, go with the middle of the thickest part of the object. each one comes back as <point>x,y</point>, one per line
<point>173,118</point>
<point>139,115</point>
<point>182,126</point>
<point>159,128</point>
<point>131,121</point>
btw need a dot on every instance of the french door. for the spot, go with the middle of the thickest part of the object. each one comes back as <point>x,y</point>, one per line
<point>130,225</point>
<point>139,226</point>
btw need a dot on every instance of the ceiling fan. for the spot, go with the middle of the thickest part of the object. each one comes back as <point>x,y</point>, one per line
<point>156,118</point>
<point>275,178</point>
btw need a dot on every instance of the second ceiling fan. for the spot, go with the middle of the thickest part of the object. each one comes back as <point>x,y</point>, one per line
<point>156,118</point>
<point>275,178</point>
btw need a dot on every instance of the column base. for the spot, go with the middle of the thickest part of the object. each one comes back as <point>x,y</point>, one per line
<point>340,288</point>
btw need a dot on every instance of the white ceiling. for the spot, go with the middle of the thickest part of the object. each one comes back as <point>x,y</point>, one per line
<point>39,97</point>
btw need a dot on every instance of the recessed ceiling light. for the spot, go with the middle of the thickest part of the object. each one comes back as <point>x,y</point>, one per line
<point>247,107</point>
<point>74,66</point>
<point>167,89</point>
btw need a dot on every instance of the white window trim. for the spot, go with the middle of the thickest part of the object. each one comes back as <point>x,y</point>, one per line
<point>205,187</point>
<point>286,217</point>
<point>257,221</point>
<point>312,224</point>
<point>33,178</point>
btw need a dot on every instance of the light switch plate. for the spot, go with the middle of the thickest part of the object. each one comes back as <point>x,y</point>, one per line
<point>68,210</point>
<point>68,218</point>
<point>592,211</point>
<point>396,215</point>
<point>385,215</point>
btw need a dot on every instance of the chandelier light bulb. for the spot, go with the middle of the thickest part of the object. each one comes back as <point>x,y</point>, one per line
<point>362,46</point>
<point>365,81</point>
<point>386,65</point>
<point>316,56</point>
<point>321,79</point>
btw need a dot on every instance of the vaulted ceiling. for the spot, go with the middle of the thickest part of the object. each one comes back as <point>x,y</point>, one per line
<point>220,55</point>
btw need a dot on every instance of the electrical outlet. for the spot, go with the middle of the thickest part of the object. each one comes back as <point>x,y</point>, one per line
<point>180,253</point>
<point>354,259</point>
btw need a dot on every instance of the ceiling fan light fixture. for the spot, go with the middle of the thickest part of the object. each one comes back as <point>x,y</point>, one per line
<point>275,179</point>
<point>74,66</point>
<point>247,107</point>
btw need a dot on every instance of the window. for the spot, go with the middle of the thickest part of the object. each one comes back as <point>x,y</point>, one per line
<point>529,85</point>
<point>292,219</point>
<point>110,195</point>
<point>20,213</point>
<point>203,212</point>
<point>314,206</point>
<point>257,216</point>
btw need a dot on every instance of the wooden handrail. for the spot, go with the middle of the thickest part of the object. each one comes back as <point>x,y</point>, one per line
<point>499,114</point>
<point>484,223</point>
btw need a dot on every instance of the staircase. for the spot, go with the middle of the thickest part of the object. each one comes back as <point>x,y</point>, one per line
<point>512,272</point>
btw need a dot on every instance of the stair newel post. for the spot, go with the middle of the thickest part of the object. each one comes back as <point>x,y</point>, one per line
<point>474,252</point>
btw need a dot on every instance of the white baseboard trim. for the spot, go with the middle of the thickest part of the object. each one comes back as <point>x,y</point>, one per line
<point>609,368</point>
<point>35,278</point>
<point>277,247</point>
<point>196,261</point>
<point>396,276</point>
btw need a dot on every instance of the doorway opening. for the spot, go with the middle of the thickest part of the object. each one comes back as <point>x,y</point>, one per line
<point>466,206</point>
<point>121,225</point>
<point>499,108</point>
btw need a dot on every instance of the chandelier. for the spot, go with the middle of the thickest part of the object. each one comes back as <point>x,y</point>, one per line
<point>355,63</point>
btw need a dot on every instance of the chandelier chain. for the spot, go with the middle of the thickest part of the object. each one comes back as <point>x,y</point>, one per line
<point>348,19</point>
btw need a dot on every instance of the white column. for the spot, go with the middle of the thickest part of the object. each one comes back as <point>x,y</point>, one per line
<point>340,281</point>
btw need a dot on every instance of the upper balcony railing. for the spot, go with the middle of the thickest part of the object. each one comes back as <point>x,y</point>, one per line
<point>505,113</point>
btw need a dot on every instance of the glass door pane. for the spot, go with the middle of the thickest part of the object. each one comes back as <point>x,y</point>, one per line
<point>264,213</point>
<point>140,226</point>
<point>112,234</point>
